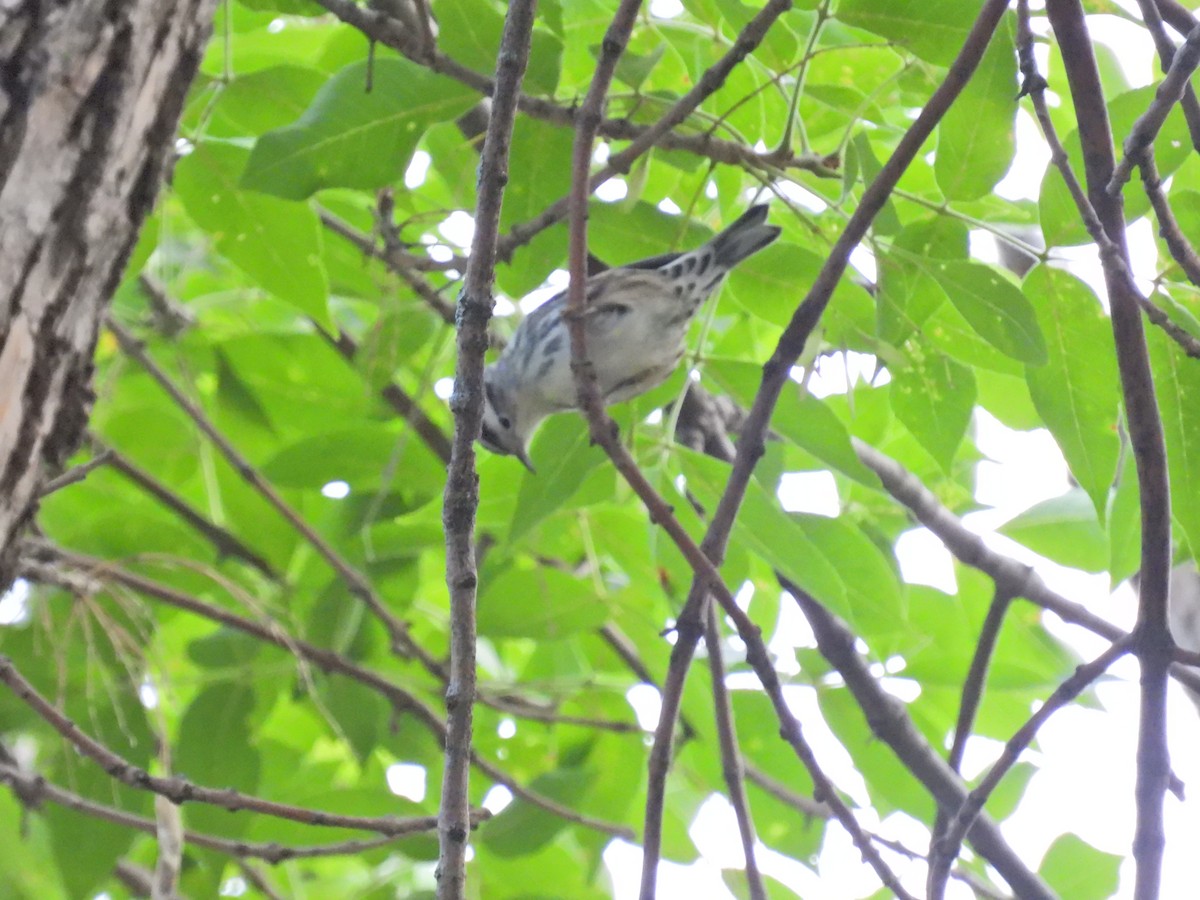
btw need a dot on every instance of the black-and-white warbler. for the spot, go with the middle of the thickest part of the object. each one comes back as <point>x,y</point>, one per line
<point>636,319</point>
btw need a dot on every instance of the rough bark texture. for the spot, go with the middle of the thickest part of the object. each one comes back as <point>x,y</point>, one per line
<point>90,96</point>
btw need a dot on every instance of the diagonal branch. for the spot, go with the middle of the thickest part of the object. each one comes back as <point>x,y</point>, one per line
<point>775,373</point>
<point>33,790</point>
<point>944,851</point>
<point>180,790</point>
<point>402,701</point>
<point>732,764</point>
<point>355,581</point>
<point>1165,49</point>
<point>709,83</point>
<point>1170,91</point>
<point>889,721</point>
<point>225,542</point>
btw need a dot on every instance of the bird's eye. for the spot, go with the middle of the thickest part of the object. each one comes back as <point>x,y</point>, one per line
<point>505,422</point>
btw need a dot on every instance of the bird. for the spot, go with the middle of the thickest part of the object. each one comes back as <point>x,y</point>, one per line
<point>636,320</point>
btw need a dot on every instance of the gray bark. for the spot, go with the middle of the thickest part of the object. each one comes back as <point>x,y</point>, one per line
<point>90,96</point>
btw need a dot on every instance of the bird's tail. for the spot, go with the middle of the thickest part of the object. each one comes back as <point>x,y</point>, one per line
<point>743,238</point>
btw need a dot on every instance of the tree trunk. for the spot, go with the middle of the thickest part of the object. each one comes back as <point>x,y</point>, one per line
<point>90,96</point>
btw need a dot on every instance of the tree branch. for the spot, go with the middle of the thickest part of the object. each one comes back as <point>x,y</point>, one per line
<point>1170,91</point>
<point>33,790</point>
<point>180,790</point>
<point>943,852</point>
<point>401,700</point>
<point>1152,635</point>
<point>747,40</point>
<point>732,766</point>
<point>224,542</point>
<point>461,498</point>
<point>354,580</point>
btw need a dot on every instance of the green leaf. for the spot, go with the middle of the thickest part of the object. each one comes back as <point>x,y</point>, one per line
<point>539,602</point>
<point>275,243</point>
<point>563,455</point>
<point>996,309</point>
<point>469,33</point>
<point>218,717</point>
<point>1064,529</point>
<point>359,456</point>
<point>524,828</point>
<point>934,397</point>
<point>1061,223</point>
<point>262,100</point>
<point>977,136</point>
<point>828,558</point>
<point>1078,870</point>
<point>1177,384</point>
<point>1076,391</point>
<point>351,138</point>
<point>932,29</point>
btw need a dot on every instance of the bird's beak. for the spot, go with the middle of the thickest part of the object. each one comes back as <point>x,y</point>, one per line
<point>523,456</point>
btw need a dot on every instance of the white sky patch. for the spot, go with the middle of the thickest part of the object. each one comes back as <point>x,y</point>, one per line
<point>646,703</point>
<point>556,283</point>
<point>497,797</point>
<point>148,694</point>
<point>230,887</point>
<point>1029,161</point>
<point>863,261</point>
<point>407,780</point>
<point>669,206</point>
<point>458,228</point>
<point>418,168</point>
<point>810,492</point>
<point>336,490</point>
<point>665,9</point>
<point>612,190</point>
<point>838,373</point>
<point>925,560</point>
<point>443,388</point>
<point>506,730</point>
<point>802,197</point>
<point>14,604</point>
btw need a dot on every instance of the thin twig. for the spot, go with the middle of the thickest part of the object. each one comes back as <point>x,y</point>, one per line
<point>1149,123</point>
<point>77,473</point>
<point>890,722</point>
<point>943,852</point>
<point>709,82</point>
<point>181,790</point>
<point>354,580</point>
<point>461,498</point>
<point>1152,636</point>
<point>385,31</point>
<point>224,541</point>
<point>732,766</point>
<point>1165,48</point>
<point>972,694</point>
<point>976,678</point>
<point>1180,247</point>
<point>33,790</point>
<point>401,700</point>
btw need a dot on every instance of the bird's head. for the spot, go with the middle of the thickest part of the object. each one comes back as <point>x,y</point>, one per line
<point>504,431</point>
